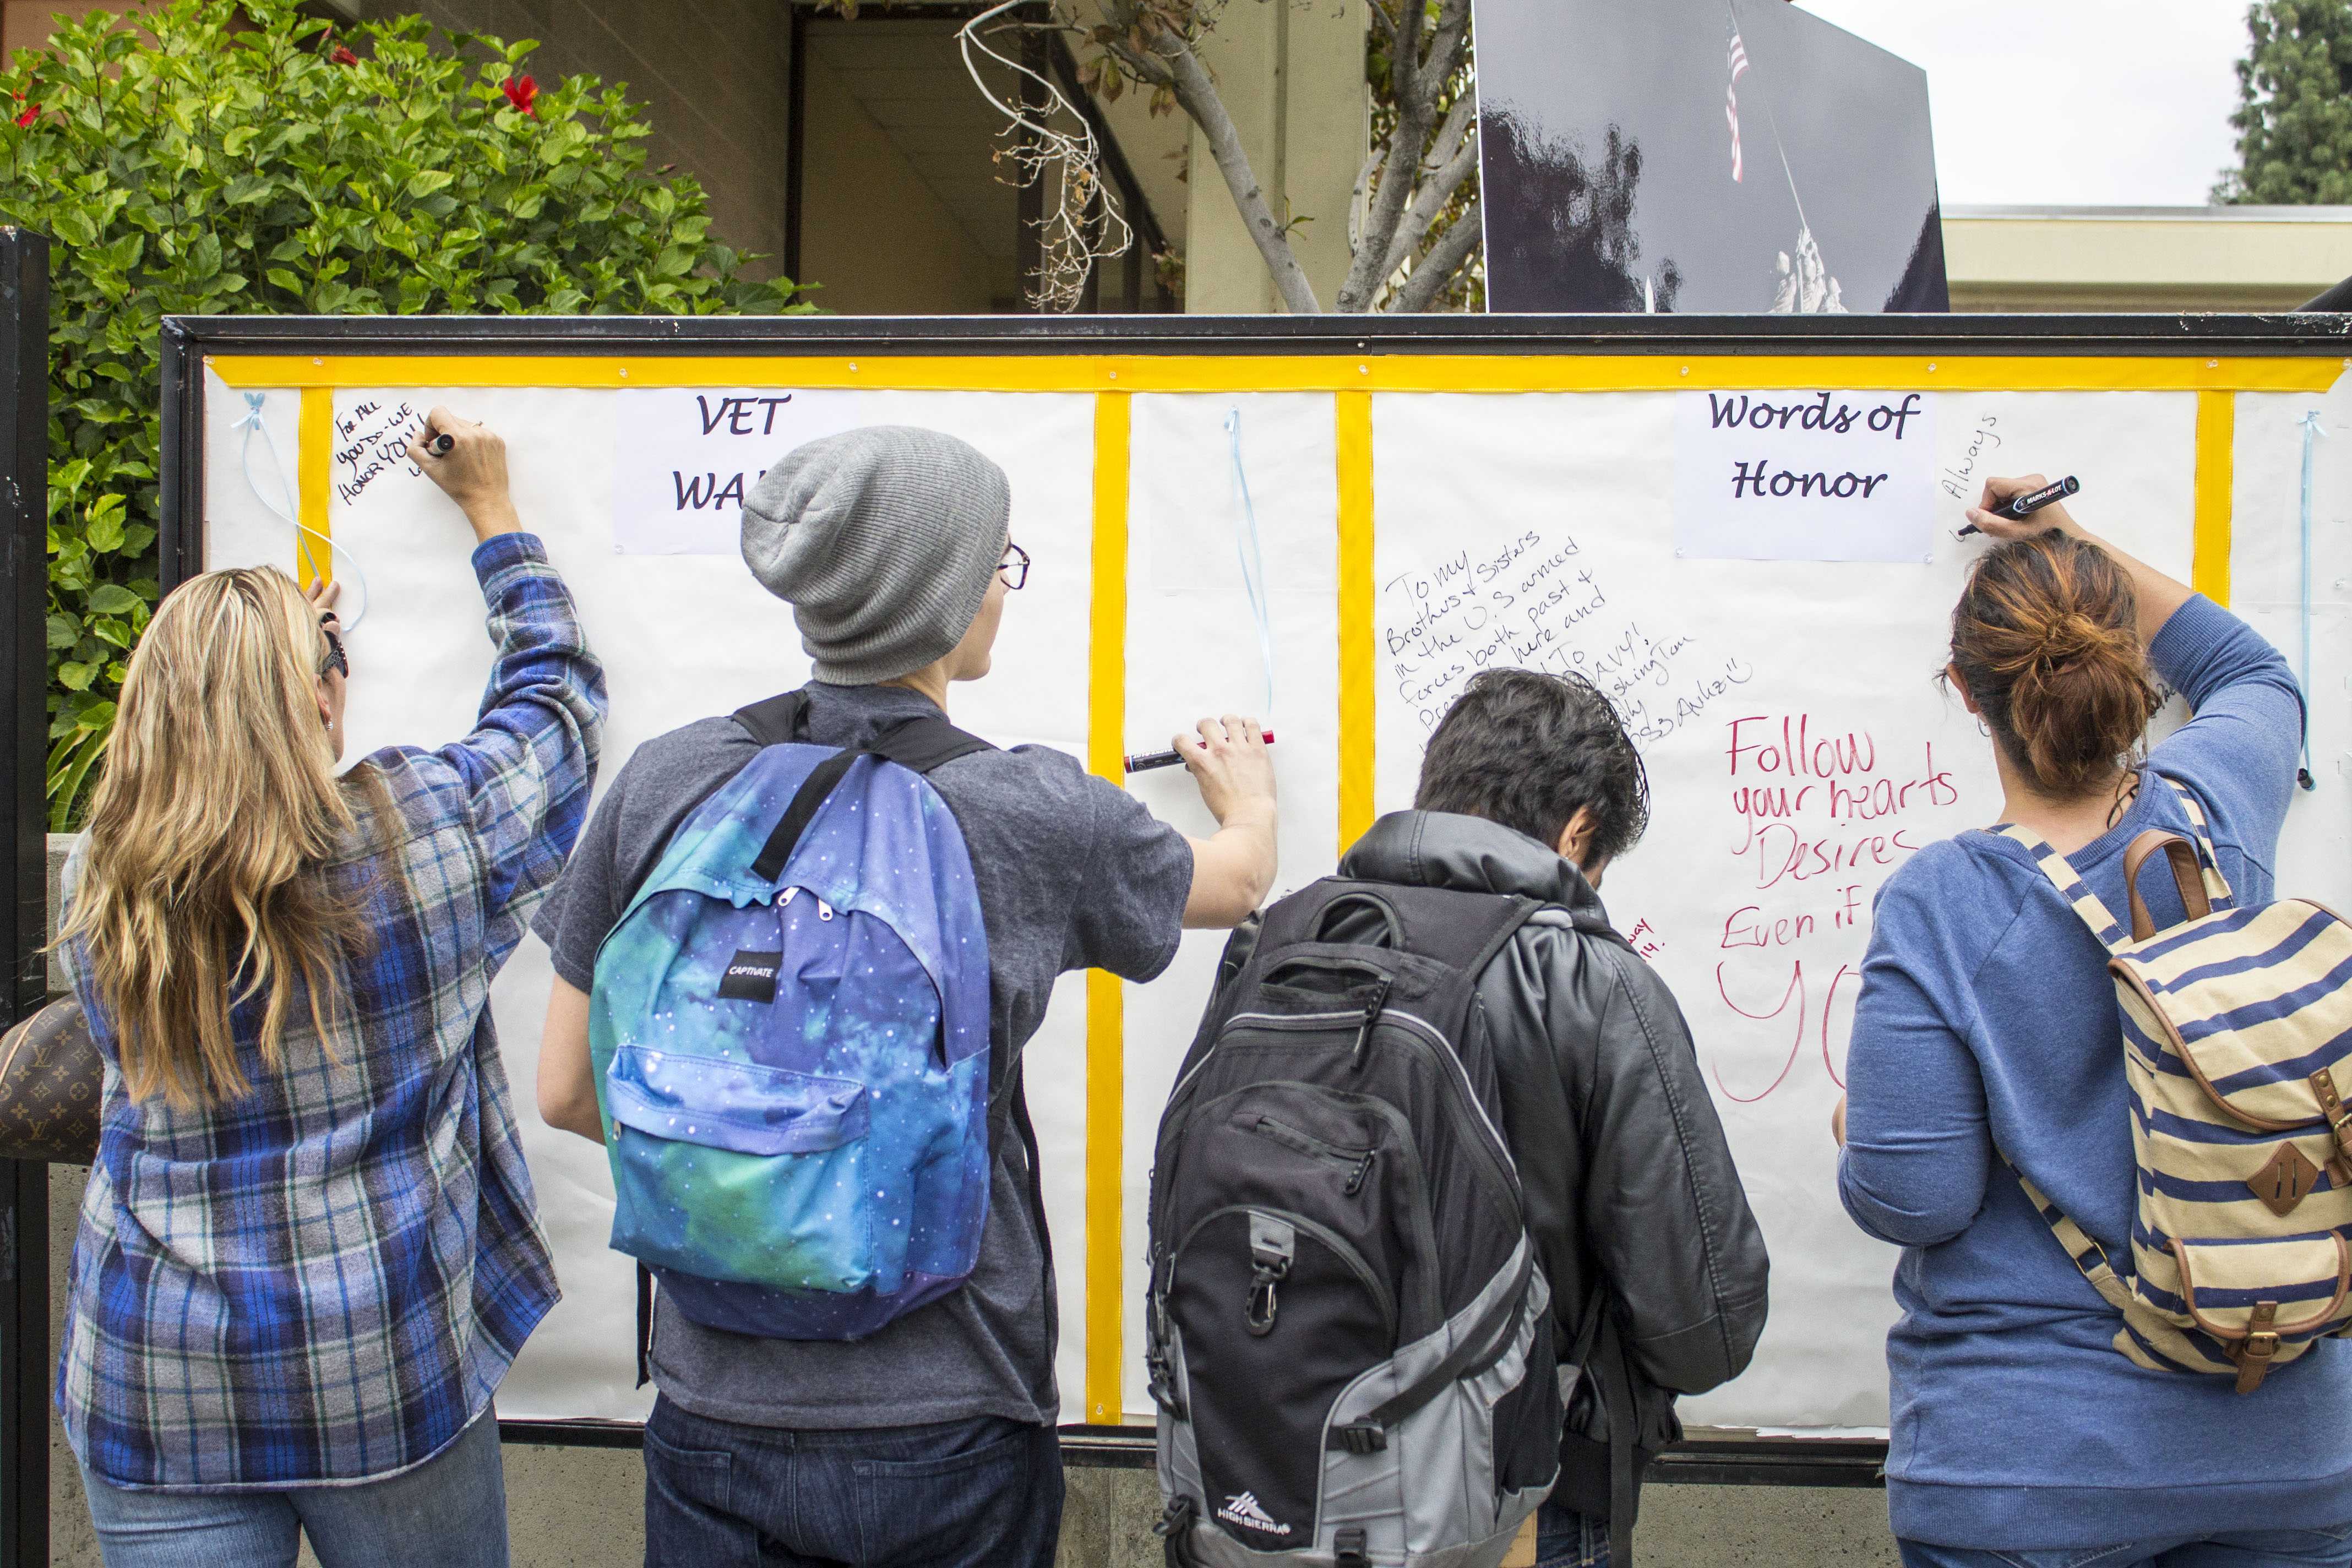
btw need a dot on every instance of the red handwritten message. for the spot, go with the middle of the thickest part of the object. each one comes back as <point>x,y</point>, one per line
<point>1825,814</point>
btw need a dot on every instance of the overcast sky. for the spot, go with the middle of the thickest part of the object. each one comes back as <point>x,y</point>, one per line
<point>2068,103</point>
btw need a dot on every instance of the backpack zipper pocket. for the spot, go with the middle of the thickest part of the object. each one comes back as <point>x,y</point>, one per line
<point>1493,1149</point>
<point>1356,1164</point>
<point>1331,1240</point>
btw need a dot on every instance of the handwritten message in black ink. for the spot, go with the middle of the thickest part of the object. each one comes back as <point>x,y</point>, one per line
<point>369,440</point>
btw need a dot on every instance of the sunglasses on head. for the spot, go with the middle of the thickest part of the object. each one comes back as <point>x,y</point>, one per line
<point>335,659</point>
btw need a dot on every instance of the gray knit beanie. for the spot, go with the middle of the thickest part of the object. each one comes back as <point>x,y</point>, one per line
<point>883,539</point>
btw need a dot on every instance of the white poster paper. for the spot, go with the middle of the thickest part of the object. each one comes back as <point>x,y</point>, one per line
<point>1804,476</point>
<point>684,459</point>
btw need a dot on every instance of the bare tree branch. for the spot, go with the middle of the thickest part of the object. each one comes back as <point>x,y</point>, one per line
<point>1435,191</point>
<point>1434,271</point>
<point>1455,159</point>
<point>1445,50</point>
<point>1405,142</point>
<point>1199,96</point>
<point>1358,196</point>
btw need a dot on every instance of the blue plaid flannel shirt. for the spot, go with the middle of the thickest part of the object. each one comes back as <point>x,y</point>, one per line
<point>325,1281</point>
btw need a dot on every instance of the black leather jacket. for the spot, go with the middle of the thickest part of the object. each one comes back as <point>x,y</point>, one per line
<point>1627,1176</point>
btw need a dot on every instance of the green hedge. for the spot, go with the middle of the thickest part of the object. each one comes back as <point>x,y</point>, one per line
<point>243,159</point>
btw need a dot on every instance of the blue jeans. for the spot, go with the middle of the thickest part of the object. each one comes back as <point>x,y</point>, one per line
<point>1566,1538</point>
<point>983,1493</point>
<point>448,1512</point>
<point>2329,1548</point>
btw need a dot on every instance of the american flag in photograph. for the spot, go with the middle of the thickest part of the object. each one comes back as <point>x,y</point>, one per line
<point>1731,97</point>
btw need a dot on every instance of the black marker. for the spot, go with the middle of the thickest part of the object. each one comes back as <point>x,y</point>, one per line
<point>1145,762</point>
<point>2019,508</point>
<point>439,445</point>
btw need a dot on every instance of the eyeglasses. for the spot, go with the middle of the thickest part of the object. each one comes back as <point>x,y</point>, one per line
<point>336,658</point>
<point>1015,567</point>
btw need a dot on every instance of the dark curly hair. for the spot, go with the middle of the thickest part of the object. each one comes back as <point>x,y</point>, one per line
<point>1526,749</point>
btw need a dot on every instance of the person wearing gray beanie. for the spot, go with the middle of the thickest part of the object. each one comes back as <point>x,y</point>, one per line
<point>883,539</point>
<point>931,1440</point>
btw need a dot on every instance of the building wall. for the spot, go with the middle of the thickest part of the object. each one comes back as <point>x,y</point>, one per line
<point>1292,78</point>
<point>872,233</point>
<point>27,24</point>
<point>2144,259</point>
<point>710,73</point>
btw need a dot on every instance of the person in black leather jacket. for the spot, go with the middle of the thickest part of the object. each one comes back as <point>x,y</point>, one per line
<point>1530,786</point>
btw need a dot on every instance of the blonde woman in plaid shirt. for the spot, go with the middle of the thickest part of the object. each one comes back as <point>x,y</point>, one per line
<point>311,1248</point>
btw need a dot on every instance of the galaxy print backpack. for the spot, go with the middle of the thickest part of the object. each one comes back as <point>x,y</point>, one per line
<point>789,1031</point>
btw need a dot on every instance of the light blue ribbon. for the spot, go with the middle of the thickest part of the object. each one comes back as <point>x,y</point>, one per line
<point>1252,560</point>
<point>2312,434</point>
<point>251,422</point>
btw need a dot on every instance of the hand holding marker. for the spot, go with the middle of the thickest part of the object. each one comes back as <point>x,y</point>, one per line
<point>2020,507</point>
<point>1144,762</point>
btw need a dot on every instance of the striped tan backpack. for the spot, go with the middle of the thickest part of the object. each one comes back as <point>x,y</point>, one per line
<point>2237,1027</point>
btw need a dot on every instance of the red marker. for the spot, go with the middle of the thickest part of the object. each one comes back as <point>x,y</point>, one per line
<point>1150,759</point>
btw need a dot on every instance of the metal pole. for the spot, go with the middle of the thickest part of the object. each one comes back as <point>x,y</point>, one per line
<point>23,658</point>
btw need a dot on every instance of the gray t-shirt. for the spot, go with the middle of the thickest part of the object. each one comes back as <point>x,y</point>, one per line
<point>1073,874</point>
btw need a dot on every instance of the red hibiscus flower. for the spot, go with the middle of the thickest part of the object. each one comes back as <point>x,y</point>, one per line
<point>32,113</point>
<point>343,55</point>
<point>522,91</point>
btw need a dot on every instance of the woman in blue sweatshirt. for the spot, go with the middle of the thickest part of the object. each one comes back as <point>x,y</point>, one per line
<point>1987,1027</point>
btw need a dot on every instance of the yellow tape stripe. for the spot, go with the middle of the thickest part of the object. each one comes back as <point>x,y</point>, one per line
<point>2217,438</point>
<point>1048,372</point>
<point>1106,1000</point>
<point>315,482</point>
<point>1353,441</point>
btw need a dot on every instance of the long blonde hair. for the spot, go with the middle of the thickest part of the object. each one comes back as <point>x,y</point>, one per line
<point>211,834</point>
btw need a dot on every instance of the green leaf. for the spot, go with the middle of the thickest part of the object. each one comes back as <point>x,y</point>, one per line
<point>74,227</point>
<point>217,161</point>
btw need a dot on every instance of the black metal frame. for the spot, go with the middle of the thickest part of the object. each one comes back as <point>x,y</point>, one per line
<point>24,920</point>
<point>1718,1458</point>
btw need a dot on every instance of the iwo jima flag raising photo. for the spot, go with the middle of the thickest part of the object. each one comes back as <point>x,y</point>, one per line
<point>1715,155</point>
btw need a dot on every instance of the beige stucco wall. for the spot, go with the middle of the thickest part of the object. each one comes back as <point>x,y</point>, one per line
<point>1292,76</point>
<point>2144,259</point>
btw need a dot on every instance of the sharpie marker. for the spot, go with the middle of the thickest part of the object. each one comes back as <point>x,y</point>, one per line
<point>1146,760</point>
<point>439,445</point>
<point>2019,508</point>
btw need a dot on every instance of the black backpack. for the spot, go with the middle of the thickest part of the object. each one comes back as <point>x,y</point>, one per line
<point>1350,1335</point>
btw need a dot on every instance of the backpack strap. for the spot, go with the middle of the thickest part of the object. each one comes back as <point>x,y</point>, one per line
<point>2070,888</point>
<point>2092,1260</point>
<point>920,744</point>
<point>2217,887</point>
<point>1469,931</point>
<point>780,720</point>
<point>2089,1257</point>
<point>2095,913</point>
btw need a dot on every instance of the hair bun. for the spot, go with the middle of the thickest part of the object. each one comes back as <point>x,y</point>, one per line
<point>2069,638</point>
<point>2045,639</point>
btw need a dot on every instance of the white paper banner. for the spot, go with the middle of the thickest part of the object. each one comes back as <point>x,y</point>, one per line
<point>1804,476</point>
<point>684,460</point>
